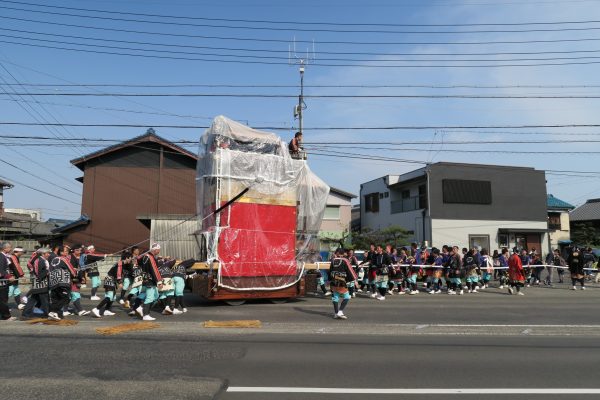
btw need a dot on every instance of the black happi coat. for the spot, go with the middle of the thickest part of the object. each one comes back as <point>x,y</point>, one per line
<point>39,276</point>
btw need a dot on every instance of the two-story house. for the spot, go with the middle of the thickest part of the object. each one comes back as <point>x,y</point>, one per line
<point>559,229</point>
<point>336,218</point>
<point>487,206</point>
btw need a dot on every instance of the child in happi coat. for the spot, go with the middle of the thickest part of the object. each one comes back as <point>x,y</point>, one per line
<point>340,274</point>
<point>414,270</point>
<point>112,281</point>
<point>354,264</point>
<point>454,272</point>
<point>487,268</point>
<point>167,291</point>
<point>471,267</point>
<point>437,271</point>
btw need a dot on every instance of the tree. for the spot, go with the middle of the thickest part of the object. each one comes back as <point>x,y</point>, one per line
<point>342,240</point>
<point>393,235</point>
<point>585,234</point>
<point>362,240</point>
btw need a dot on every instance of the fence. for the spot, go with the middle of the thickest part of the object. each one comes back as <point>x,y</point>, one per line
<point>405,205</point>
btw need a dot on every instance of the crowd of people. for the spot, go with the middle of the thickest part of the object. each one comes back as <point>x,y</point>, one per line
<point>141,281</point>
<point>455,271</point>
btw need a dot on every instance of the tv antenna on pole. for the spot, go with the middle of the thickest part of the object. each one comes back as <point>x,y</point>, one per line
<point>302,62</point>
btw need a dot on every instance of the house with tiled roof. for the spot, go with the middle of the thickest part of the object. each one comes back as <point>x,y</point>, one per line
<point>559,230</point>
<point>141,176</point>
<point>587,213</point>
<point>22,225</point>
<point>336,218</point>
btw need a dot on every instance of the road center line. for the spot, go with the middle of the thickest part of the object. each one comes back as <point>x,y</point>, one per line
<point>547,391</point>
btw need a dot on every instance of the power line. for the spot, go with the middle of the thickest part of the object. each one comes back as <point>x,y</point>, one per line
<point>99,142</point>
<point>456,142</point>
<point>275,86</point>
<point>321,42</point>
<point>329,128</point>
<point>102,143</point>
<point>297,29</point>
<point>166,114</point>
<point>286,52</point>
<point>261,57</point>
<point>353,144</point>
<point>279,22</point>
<point>44,167</point>
<point>43,192</point>
<point>541,152</point>
<point>317,96</point>
<point>524,133</point>
<point>99,91</point>
<point>38,177</point>
<point>319,64</point>
<point>30,110</point>
<point>377,158</point>
<point>63,143</point>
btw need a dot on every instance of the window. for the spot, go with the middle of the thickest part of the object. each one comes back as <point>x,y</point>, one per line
<point>502,240</point>
<point>381,195</point>
<point>332,212</point>
<point>372,202</point>
<point>386,194</point>
<point>462,191</point>
<point>405,194</point>
<point>422,196</point>
<point>521,241</point>
<point>479,241</point>
<point>554,221</point>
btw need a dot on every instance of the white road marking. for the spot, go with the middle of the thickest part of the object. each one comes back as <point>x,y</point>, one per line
<point>511,326</point>
<point>547,391</point>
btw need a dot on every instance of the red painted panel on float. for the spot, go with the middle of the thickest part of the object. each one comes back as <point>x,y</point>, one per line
<point>259,241</point>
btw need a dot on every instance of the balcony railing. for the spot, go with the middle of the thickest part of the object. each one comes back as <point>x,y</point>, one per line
<point>405,205</point>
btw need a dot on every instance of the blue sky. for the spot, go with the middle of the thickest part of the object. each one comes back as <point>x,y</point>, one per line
<point>50,165</point>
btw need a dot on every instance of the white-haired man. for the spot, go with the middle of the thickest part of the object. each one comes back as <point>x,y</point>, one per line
<point>6,279</point>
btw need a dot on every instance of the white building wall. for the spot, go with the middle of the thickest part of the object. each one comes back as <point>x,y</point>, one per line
<point>456,232</point>
<point>375,220</point>
<point>563,234</point>
<point>35,214</point>
<point>335,199</point>
<point>411,220</point>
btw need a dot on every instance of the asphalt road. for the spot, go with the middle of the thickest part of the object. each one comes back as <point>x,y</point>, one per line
<point>547,339</point>
<point>540,305</point>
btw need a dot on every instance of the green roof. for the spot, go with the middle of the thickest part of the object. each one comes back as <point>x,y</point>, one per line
<point>554,203</point>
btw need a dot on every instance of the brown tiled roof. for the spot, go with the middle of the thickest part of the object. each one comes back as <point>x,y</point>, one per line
<point>149,136</point>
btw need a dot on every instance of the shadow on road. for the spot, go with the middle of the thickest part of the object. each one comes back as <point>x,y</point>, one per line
<point>314,312</point>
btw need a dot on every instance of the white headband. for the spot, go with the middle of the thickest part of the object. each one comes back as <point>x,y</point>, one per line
<point>91,247</point>
<point>155,246</point>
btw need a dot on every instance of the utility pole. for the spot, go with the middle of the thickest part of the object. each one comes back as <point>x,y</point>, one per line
<point>294,58</point>
<point>301,105</point>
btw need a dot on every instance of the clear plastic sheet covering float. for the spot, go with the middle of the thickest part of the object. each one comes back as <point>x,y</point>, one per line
<point>263,239</point>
